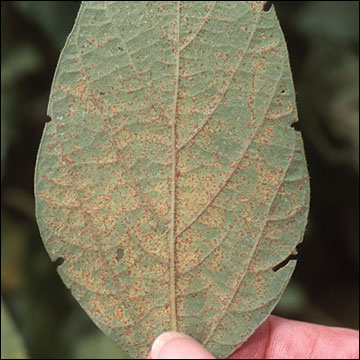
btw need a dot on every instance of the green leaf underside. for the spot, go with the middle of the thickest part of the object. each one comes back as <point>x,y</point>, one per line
<point>169,177</point>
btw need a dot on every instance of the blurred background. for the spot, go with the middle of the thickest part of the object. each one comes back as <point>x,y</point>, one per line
<point>40,319</point>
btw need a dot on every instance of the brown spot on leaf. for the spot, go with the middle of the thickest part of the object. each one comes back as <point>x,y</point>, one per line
<point>68,159</point>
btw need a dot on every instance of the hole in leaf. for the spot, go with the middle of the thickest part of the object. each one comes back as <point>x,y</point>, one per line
<point>48,119</point>
<point>285,262</point>
<point>296,126</point>
<point>282,91</point>
<point>59,261</point>
<point>119,254</point>
<point>267,6</point>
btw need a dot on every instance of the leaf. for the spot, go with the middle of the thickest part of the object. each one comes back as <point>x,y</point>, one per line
<point>169,179</point>
<point>12,346</point>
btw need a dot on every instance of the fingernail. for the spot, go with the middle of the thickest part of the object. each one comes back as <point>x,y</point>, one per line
<point>175,345</point>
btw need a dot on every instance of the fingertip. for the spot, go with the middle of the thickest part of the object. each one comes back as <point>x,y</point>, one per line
<point>175,345</point>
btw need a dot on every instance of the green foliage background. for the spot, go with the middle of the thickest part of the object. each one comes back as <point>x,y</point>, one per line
<point>323,45</point>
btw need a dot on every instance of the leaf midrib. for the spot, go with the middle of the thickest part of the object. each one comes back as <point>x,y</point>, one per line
<point>173,178</point>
